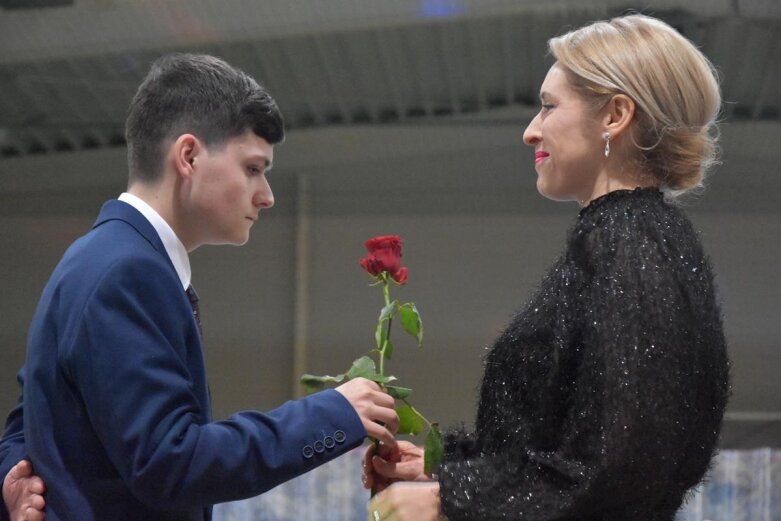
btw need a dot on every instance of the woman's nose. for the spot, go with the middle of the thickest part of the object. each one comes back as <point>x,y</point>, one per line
<point>531,136</point>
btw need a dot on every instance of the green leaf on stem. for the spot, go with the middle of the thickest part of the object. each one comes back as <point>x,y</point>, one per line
<point>388,353</point>
<point>379,335</point>
<point>380,379</point>
<point>410,421</point>
<point>363,367</point>
<point>410,320</point>
<point>388,311</point>
<point>313,383</point>
<point>433,449</point>
<point>398,393</point>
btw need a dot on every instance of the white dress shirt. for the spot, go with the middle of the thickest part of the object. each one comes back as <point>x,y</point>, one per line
<point>173,246</point>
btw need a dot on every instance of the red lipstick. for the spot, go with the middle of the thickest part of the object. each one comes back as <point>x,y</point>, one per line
<point>540,156</point>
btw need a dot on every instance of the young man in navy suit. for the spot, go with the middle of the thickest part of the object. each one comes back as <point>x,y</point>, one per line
<point>115,413</point>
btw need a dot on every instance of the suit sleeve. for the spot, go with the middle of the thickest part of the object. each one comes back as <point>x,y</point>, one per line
<point>129,361</point>
<point>644,405</point>
<point>12,448</point>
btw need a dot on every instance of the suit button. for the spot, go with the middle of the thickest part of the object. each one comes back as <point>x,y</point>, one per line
<point>319,447</point>
<point>308,451</point>
<point>340,436</point>
<point>329,442</point>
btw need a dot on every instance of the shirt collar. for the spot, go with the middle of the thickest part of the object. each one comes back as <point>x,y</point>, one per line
<point>173,246</point>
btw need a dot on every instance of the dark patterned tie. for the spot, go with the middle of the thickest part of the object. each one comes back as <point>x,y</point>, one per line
<point>193,296</point>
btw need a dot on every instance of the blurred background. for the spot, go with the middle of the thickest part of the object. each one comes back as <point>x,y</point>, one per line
<point>404,117</point>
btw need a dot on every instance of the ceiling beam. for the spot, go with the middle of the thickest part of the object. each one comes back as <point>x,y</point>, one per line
<point>87,28</point>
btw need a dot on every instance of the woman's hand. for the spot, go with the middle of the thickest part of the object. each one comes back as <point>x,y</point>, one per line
<point>407,501</point>
<point>387,465</point>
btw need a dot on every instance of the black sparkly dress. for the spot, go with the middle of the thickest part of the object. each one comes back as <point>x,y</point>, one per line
<point>603,398</point>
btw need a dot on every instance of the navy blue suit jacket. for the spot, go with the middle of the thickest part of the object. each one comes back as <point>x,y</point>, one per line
<point>115,412</point>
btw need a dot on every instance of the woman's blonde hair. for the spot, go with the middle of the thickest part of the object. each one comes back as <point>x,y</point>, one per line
<point>673,85</point>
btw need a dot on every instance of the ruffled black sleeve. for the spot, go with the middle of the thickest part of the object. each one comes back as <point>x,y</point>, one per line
<point>641,382</point>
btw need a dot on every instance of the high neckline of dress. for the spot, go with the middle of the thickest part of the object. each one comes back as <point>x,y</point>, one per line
<point>640,191</point>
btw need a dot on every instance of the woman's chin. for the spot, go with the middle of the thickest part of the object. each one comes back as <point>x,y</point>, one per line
<point>545,190</point>
<point>551,193</point>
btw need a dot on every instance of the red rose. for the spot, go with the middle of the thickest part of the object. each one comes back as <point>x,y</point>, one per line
<point>385,255</point>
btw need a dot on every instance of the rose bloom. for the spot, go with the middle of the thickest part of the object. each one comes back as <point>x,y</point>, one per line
<point>385,255</point>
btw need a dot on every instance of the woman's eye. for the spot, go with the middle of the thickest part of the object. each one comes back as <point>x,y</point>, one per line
<point>254,171</point>
<point>547,106</point>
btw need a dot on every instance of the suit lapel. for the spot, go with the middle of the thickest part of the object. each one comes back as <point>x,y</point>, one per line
<point>121,211</point>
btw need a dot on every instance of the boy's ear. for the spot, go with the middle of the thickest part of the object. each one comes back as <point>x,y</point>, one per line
<point>185,149</point>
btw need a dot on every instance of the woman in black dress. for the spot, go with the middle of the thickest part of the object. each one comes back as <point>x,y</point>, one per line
<point>603,398</point>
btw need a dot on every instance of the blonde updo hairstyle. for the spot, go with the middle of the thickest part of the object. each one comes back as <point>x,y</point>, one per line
<point>674,87</point>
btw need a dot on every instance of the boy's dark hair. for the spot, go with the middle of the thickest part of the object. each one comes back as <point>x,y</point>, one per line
<point>198,94</point>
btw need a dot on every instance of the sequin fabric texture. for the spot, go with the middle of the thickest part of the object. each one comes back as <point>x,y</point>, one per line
<point>603,398</point>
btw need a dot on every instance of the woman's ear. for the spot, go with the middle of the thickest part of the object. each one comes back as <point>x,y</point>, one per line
<point>620,111</point>
<point>185,150</point>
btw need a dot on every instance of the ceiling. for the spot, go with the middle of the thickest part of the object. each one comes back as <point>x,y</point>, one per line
<point>67,72</point>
